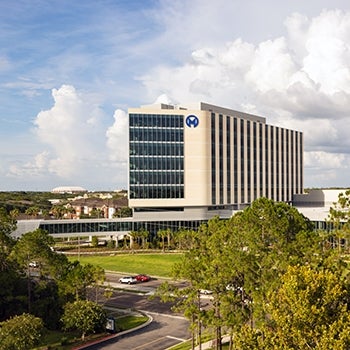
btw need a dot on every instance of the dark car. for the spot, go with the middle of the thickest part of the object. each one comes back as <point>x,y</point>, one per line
<point>142,278</point>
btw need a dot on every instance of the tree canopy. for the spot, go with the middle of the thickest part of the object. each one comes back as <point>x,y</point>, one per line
<point>85,316</point>
<point>248,262</point>
<point>20,332</point>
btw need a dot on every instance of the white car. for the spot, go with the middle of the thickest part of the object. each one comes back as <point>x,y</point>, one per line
<point>33,264</point>
<point>205,291</point>
<point>128,280</point>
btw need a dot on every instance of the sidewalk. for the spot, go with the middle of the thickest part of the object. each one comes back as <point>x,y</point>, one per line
<point>210,344</point>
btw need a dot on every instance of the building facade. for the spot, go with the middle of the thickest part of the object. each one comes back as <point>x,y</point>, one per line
<point>188,164</point>
<point>207,160</point>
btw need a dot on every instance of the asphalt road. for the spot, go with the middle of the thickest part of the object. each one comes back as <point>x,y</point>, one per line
<point>163,332</point>
<point>166,329</point>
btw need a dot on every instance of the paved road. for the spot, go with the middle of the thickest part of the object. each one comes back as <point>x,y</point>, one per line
<point>166,329</point>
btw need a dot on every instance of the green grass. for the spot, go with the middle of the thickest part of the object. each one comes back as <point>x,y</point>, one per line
<point>60,340</point>
<point>68,340</point>
<point>151,264</point>
<point>187,345</point>
<point>129,322</point>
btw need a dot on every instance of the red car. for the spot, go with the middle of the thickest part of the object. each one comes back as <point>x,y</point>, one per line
<point>142,278</point>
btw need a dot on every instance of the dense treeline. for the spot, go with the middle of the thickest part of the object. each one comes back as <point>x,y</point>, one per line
<point>274,282</point>
<point>38,285</point>
<point>47,205</point>
<point>22,200</point>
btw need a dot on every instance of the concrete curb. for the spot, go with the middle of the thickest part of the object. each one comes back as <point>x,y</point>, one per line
<point>116,335</point>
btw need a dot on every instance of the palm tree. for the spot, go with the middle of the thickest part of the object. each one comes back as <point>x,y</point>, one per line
<point>162,234</point>
<point>32,211</point>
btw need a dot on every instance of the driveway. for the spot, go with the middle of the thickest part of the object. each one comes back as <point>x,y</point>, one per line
<point>162,333</point>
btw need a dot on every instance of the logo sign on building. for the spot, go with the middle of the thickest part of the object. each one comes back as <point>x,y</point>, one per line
<point>192,121</point>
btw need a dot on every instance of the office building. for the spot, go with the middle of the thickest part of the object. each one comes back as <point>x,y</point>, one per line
<point>201,161</point>
<point>188,164</point>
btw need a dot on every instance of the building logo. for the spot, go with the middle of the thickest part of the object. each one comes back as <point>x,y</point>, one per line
<point>192,121</point>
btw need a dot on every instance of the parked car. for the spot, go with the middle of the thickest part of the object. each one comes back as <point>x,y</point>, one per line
<point>33,264</point>
<point>142,278</point>
<point>205,291</point>
<point>128,280</point>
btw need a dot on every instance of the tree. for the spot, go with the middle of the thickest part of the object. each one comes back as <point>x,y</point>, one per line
<point>58,211</point>
<point>97,213</point>
<point>98,279</point>
<point>309,311</point>
<point>339,218</point>
<point>123,212</point>
<point>133,236</point>
<point>33,246</point>
<point>84,315</point>
<point>7,226</point>
<point>184,239</point>
<point>94,241</point>
<point>77,278</point>
<point>266,234</point>
<point>20,332</point>
<point>33,211</point>
<point>165,233</point>
<point>136,236</point>
<point>209,264</point>
<point>143,234</point>
<point>240,260</point>
<point>12,286</point>
<point>162,234</point>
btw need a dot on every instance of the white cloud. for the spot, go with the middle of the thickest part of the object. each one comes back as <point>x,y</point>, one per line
<point>78,146</point>
<point>221,52</point>
<point>327,44</point>
<point>324,160</point>
<point>71,131</point>
<point>300,80</point>
<point>117,137</point>
<point>272,67</point>
<point>329,168</point>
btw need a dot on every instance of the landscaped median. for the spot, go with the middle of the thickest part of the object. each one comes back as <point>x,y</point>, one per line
<point>126,321</point>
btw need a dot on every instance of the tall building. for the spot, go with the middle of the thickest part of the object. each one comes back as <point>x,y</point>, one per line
<point>207,160</point>
<point>188,164</point>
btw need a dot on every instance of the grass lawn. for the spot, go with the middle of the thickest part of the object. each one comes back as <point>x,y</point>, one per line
<point>151,264</point>
<point>129,322</point>
<point>69,340</point>
<point>64,340</point>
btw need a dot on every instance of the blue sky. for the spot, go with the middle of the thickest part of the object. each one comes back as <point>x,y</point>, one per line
<point>70,69</point>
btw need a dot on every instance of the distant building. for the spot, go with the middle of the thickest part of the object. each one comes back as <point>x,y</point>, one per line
<point>69,189</point>
<point>316,204</point>
<point>104,208</point>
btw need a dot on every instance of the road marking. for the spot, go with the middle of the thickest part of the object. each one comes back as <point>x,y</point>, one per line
<point>166,315</point>
<point>151,342</point>
<point>175,338</point>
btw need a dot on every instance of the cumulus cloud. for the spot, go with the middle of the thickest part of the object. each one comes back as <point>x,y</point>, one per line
<point>300,80</point>
<point>77,143</point>
<point>33,168</point>
<point>71,131</point>
<point>324,167</point>
<point>117,137</point>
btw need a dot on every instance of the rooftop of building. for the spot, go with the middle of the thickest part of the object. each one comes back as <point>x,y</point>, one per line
<point>202,106</point>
